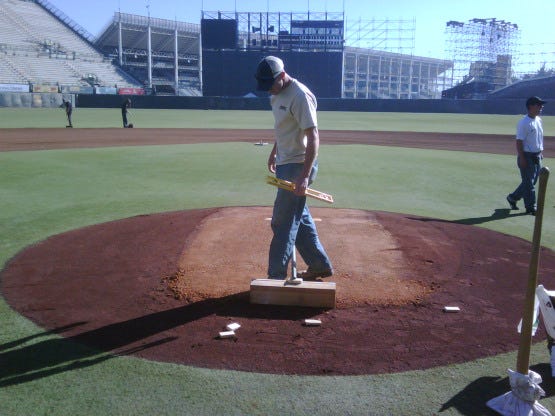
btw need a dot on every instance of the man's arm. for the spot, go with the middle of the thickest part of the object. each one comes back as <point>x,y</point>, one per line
<point>520,151</point>
<point>272,159</point>
<point>312,146</point>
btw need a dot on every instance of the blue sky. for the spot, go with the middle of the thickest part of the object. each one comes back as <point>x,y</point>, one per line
<point>535,20</point>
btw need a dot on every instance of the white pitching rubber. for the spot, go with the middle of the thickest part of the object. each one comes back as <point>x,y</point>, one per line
<point>227,334</point>
<point>451,309</point>
<point>312,322</point>
<point>233,326</point>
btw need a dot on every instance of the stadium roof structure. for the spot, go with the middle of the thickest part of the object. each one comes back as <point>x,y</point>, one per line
<point>366,71</point>
<point>378,74</point>
<point>135,35</point>
<point>443,64</point>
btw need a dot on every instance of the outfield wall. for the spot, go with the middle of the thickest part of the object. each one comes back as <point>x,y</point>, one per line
<point>224,71</point>
<point>33,100</point>
<point>506,106</point>
<point>498,106</point>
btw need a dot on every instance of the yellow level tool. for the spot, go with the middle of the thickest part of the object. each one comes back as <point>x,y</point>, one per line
<point>290,186</point>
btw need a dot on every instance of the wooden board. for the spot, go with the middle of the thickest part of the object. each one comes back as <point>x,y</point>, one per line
<point>290,186</point>
<point>274,292</point>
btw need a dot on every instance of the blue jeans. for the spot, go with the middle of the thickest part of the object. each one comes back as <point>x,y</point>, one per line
<point>529,176</point>
<point>293,226</point>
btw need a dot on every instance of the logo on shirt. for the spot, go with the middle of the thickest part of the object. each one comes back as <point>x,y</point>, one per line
<point>282,107</point>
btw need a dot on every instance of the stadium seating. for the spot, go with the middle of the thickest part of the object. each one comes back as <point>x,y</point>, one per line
<point>544,87</point>
<point>9,72</point>
<point>39,48</point>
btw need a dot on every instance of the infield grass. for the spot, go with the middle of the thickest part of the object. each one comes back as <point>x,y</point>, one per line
<point>48,192</point>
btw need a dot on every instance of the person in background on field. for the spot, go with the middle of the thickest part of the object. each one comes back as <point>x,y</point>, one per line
<point>124,110</point>
<point>529,147</point>
<point>293,158</point>
<point>66,105</point>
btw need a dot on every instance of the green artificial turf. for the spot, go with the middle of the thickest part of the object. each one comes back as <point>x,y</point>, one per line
<point>48,192</point>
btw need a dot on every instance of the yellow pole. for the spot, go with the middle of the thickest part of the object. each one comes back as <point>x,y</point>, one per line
<point>523,358</point>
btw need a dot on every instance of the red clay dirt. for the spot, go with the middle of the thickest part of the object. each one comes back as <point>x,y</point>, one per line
<point>163,286</point>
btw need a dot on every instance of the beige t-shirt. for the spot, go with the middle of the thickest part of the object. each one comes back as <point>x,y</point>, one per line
<point>294,111</point>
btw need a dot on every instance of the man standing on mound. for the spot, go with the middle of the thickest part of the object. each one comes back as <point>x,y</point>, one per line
<point>293,158</point>
<point>529,147</point>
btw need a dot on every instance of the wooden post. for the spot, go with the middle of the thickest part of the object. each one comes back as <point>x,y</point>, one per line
<point>523,357</point>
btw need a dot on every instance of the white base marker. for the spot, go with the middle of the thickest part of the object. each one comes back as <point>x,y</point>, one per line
<point>233,326</point>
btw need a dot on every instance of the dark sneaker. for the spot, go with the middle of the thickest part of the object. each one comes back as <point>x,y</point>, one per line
<point>511,202</point>
<point>531,211</point>
<point>311,274</point>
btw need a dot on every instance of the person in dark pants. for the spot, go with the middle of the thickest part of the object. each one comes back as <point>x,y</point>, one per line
<point>124,109</point>
<point>293,158</point>
<point>529,147</point>
<point>66,105</point>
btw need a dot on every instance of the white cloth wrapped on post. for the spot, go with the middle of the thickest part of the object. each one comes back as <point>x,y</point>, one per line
<point>522,400</point>
<point>548,315</point>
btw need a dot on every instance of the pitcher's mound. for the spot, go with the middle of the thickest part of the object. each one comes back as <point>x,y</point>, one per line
<point>232,244</point>
<point>163,286</point>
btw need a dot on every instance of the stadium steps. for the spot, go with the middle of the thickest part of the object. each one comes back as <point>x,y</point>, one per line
<point>30,31</point>
<point>9,72</point>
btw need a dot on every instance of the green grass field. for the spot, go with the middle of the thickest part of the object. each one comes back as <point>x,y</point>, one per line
<point>48,192</point>
<point>421,122</point>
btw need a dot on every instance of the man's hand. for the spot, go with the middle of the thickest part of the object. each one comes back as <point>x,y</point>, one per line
<point>272,165</point>
<point>521,159</point>
<point>301,184</point>
<point>272,159</point>
<point>521,162</point>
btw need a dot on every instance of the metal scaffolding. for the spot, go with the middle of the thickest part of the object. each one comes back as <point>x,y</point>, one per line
<point>280,31</point>
<point>386,75</point>
<point>379,62</point>
<point>381,35</point>
<point>534,60</point>
<point>482,50</point>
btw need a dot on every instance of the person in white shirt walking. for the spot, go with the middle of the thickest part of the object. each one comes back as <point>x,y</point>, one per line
<point>529,147</point>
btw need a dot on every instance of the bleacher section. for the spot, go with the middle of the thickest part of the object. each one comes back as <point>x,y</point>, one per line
<point>164,35</point>
<point>543,87</point>
<point>9,73</point>
<point>36,47</point>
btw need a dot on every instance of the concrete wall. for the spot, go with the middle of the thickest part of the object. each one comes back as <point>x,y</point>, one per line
<point>505,106</point>
<point>231,73</point>
<point>35,100</point>
<point>171,102</point>
<point>498,106</point>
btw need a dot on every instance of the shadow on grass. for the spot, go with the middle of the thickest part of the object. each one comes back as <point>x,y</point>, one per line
<point>59,330</point>
<point>54,356</point>
<point>471,401</point>
<point>498,214</point>
<point>21,363</point>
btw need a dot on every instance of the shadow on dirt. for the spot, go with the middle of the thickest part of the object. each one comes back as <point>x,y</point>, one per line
<point>29,358</point>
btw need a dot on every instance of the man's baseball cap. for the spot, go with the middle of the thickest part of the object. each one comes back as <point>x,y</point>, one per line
<point>534,100</point>
<point>267,71</point>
